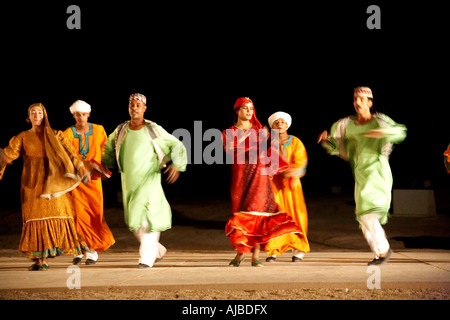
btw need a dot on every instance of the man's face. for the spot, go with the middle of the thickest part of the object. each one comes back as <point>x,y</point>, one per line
<point>81,118</point>
<point>362,104</point>
<point>280,124</point>
<point>136,108</point>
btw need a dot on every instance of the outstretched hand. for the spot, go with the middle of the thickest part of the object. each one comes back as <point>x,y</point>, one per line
<point>374,133</point>
<point>323,136</point>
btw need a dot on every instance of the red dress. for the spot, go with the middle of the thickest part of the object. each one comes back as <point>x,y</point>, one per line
<point>257,218</point>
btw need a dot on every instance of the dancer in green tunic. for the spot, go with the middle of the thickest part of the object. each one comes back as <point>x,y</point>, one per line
<point>141,148</point>
<point>366,140</point>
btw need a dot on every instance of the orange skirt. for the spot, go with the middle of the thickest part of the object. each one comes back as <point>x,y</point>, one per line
<point>50,238</point>
<point>247,229</point>
<point>91,225</point>
<point>49,228</point>
<point>289,196</point>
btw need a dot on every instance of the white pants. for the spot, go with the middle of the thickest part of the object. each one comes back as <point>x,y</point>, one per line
<point>150,249</point>
<point>374,233</point>
<point>295,253</point>
<point>93,255</point>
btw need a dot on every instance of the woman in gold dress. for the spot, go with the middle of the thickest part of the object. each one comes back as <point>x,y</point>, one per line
<point>51,169</point>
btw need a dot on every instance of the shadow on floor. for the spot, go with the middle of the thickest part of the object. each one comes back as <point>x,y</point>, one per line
<point>425,242</point>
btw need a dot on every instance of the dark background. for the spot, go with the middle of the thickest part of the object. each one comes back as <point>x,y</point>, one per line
<point>193,60</point>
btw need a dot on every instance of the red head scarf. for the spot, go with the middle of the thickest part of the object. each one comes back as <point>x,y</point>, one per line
<point>254,121</point>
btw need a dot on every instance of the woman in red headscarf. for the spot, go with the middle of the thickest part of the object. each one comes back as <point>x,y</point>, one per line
<point>257,218</point>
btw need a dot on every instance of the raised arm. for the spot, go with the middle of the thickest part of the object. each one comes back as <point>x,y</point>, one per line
<point>10,153</point>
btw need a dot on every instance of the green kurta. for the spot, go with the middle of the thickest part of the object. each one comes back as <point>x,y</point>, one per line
<point>369,160</point>
<point>139,165</point>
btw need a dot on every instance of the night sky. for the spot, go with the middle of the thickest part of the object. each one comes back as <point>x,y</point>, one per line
<point>193,61</point>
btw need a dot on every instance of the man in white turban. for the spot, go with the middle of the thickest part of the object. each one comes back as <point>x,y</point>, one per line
<point>280,115</point>
<point>286,185</point>
<point>80,106</point>
<point>88,139</point>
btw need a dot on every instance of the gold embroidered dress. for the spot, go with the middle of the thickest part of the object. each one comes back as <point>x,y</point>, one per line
<point>48,222</point>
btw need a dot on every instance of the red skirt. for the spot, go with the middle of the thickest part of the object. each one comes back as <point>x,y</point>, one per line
<point>257,218</point>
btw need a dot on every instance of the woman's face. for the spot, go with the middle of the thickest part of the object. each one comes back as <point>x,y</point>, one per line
<point>246,112</point>
<point>36,115</point>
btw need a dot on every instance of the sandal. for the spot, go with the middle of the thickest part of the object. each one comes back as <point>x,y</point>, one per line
<point>236,263</point>
<point>257,263</point>
<point>34,267</point>
<point>44,267</point>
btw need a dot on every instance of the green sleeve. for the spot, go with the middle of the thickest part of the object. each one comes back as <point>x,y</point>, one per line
<point>395,132</point>
<point>109,151</point>
<point>173,148</point>
<point>331,145</point>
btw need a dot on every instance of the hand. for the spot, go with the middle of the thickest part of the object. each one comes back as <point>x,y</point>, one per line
<point>323,136</point>
<point>85,174</point>
<point>172,174</point>
<point>374,133</point>
<point>293,182</point>
<point>293,173</point>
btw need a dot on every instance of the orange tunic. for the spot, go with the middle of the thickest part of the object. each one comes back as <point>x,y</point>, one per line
<point>288,190</point>
<point>88,198</point>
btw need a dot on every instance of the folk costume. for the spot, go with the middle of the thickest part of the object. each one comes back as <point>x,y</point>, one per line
<point>49,174</point>
<point>369,161</point>
<point>88,198</point>
<point>447,159</point>
<point>140,155</point>
<point>287,188</point>
<point>257,218</point>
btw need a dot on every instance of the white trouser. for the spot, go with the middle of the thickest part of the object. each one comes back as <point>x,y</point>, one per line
<point>93,255</point>
<point>150,249</point>
<point>298,253</point>
<point>374,233</point>
<point>295,253</point>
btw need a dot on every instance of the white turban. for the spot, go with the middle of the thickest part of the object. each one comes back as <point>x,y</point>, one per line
<point>277,115</point>
<point>80,106</point>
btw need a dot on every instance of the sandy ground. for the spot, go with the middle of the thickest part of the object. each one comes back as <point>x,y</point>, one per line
<point>209,294</point>
<point>200,226</point>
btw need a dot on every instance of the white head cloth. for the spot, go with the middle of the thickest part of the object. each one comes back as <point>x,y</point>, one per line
<point>80,106</point>
<point>277,115</point>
